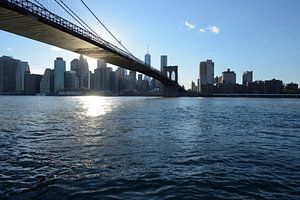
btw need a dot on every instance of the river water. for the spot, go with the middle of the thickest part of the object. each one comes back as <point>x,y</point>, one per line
<point>149,148</point>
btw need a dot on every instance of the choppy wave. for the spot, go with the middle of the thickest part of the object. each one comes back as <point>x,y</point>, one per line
<point>149,148</point>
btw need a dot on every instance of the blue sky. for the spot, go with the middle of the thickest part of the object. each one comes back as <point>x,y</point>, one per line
<point>258,35</point>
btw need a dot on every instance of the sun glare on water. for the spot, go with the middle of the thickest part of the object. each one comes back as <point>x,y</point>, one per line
<point>95,106</point>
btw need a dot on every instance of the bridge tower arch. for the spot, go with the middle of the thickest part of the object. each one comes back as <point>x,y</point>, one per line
<point>171,90</point>
<point>168,71</point>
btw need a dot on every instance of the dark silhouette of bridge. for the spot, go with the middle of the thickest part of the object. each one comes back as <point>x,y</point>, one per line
<point>25,18</point>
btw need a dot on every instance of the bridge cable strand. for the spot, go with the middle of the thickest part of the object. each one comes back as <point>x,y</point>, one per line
<point>79,18</point>
<point>71,15</point>
<point>40,4</point>
<point>105,26</point>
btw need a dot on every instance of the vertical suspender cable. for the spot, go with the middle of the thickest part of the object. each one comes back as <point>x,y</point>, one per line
<point>104,26</point>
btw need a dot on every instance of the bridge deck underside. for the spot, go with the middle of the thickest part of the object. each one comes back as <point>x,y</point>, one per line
<point>36,29</point>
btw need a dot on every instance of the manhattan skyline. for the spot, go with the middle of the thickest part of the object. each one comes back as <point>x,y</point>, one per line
<point>261,36</point>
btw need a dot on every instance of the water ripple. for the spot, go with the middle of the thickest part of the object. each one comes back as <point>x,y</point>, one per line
<point>149,148</point>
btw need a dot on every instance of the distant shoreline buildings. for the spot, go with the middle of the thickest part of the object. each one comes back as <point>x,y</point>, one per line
<point>15,79</point>
<point>208,84</point>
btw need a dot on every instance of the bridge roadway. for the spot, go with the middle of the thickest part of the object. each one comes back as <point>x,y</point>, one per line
<point>27,19</point>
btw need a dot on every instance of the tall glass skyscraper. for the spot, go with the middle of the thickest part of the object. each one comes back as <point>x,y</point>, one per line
<point>59,74</point>
<point>206,76</point>
<point>163,62</point>
<point>148,63</point>
<point>206,72</point>
<point>22,69</point>
<point>148,59</point>
<point>8,69</point>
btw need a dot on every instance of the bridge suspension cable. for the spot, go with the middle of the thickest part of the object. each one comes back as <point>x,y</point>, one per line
<point>74,14</point>
<point>118,41</point>
<point>61,4</point>
<point>36,1</point>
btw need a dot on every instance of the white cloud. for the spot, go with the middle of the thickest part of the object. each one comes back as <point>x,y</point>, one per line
<point>189,25</point>
<point>213,29</point>
<point>201,30</point>
<point>53,48</point>
<point>9,49</point>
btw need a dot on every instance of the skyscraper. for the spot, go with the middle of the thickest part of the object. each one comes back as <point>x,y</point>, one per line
<point>8,69</point>
<point>71,80</point>
<point>229,77</point>
<point>22,69</point>
<point>101,77</point>
<point>83,73</point>
<point>32,83</point>
<point>101,64</point>
<point>46,84</point>
<point>59,74</point>
<point>121,78</point>
<point>206,76</point>
<point>163,62</point>
<point>148,63</point>
<point>74,65</point>
<point>148,59</point>
<point>81,67</point>
<point>247,77</point>
<point>206,72</point>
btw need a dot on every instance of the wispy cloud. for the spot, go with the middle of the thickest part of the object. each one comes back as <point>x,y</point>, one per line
<point>202,30</point>
<point>9,49</point>
<point>213,29</point>
<point>53,48</point>
<point>189,25</point>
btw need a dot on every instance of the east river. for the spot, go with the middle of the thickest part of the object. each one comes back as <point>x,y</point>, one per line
<point>149,148</point>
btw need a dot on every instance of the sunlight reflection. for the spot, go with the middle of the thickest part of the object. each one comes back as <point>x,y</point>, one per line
<point>96,105</point>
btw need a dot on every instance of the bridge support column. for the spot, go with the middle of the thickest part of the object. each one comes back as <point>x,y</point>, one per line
<point>170,91</point>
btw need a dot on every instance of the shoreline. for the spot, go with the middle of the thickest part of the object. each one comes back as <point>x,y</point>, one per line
<point>283,96</point>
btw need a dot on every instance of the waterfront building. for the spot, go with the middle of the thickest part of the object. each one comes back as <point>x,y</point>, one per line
<point>247,77</point>
<point>101,78</point>
<point>291,88</point>
<point>144,86</point>
<point>47,82</point>
<point>71,80</point>
<point>228,77</point>
<point>206,76</point>
<point>74,65</point>
<point>32,83</point>
<point>132,75</point>
<point>257,87</point>
<point>154,84</point>
<point>83,73</point>
<point>139,82</point>
<point>22,69</point>
<point>131,81</point>
<point>121,78</point>
<point>81,67</point>
<point>194,87</point>
<point>113,81</point>
<point>101,64</point>
<point>273,86</point>
<point>121,72</point>
<point>8,69</point>
<point>59,74</point>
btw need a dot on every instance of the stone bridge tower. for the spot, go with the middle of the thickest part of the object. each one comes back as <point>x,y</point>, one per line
<point>171,90</point>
